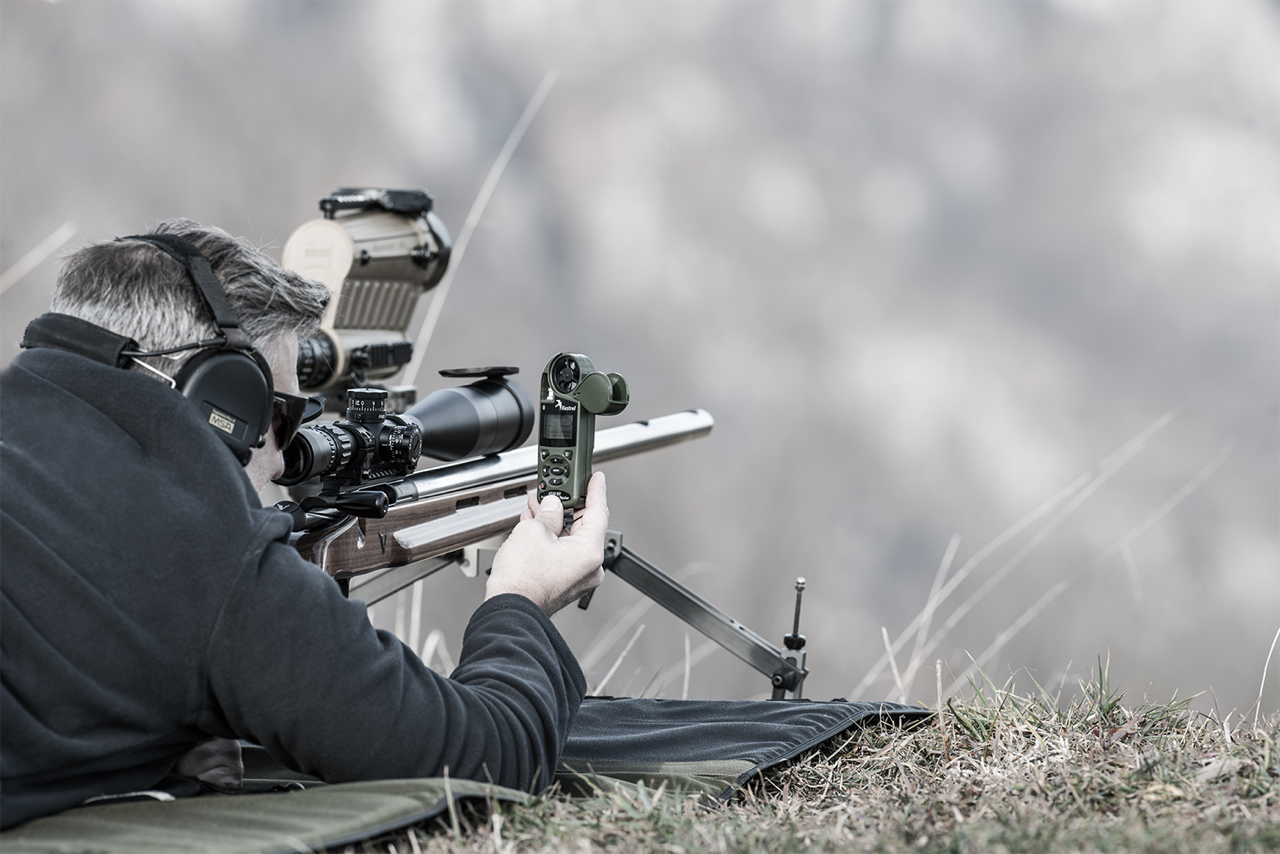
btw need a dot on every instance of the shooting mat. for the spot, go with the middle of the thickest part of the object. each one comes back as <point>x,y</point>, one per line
<point>707,747</point>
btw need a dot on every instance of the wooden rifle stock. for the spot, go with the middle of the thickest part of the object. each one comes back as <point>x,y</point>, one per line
<point>445,508</point>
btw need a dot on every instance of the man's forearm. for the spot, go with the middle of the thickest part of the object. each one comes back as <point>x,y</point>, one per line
<point>530,685</point>
<point>332,697</point>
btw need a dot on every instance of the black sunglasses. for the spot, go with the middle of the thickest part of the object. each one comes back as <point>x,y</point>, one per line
<point>290,412</point>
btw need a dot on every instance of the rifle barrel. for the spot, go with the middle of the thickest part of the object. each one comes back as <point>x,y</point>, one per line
<point>634,438</point>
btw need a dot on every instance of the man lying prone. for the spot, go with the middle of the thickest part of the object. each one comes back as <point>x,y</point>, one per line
<point>150,603</point>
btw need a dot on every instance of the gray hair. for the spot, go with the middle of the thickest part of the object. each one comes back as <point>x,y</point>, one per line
<point>134,288</point>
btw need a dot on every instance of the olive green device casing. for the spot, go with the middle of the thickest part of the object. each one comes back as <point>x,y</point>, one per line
<point>572,393</point>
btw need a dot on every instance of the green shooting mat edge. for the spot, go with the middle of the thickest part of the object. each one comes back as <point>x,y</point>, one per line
<point>315,819</point>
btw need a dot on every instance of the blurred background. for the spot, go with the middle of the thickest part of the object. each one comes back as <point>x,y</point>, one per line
<point>926,263</point>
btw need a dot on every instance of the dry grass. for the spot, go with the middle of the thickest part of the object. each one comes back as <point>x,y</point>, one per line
<point>1003,770</point>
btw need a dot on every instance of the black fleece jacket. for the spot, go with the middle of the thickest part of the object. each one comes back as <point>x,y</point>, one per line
<point>150,602</point>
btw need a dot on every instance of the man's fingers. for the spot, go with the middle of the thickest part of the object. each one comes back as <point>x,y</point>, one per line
<point>595,518</point>
<point>551,513</point>
<point>531,506</point>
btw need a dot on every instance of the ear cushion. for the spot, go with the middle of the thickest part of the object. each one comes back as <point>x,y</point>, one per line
<point>233,391</point>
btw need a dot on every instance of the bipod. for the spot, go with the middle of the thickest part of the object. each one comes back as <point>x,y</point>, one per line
<point>785,672</point>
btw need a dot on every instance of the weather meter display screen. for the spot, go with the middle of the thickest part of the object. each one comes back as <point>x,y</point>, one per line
<point>557,426</point>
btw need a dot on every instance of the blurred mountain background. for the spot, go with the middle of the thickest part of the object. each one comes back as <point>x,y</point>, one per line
<point>926,263</point>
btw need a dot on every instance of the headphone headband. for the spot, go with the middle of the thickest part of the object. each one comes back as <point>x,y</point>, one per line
<point>201,272</point>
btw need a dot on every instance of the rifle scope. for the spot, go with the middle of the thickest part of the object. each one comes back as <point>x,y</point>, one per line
<point>490,416</point>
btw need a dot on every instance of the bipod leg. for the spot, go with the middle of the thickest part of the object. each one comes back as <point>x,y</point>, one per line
<point>783,671</point>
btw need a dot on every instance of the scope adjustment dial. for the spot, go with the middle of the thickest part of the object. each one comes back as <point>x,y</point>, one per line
<point>366,405</point>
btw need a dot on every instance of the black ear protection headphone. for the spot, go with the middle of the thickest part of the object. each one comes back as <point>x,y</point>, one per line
<point>227,380</point>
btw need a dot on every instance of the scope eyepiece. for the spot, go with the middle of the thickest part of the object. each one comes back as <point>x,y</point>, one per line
<point>314,451</point>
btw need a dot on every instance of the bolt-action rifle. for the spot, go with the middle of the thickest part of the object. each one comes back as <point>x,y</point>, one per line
<point>437,514</point>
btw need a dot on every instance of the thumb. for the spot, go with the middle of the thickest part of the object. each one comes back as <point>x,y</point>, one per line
<point>551,513</point>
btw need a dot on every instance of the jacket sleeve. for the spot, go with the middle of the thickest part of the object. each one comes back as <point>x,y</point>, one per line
<point>297,668</point>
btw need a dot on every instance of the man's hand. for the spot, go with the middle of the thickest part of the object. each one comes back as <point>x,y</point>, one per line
<point>540,562</point>
<point>215,760</point>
